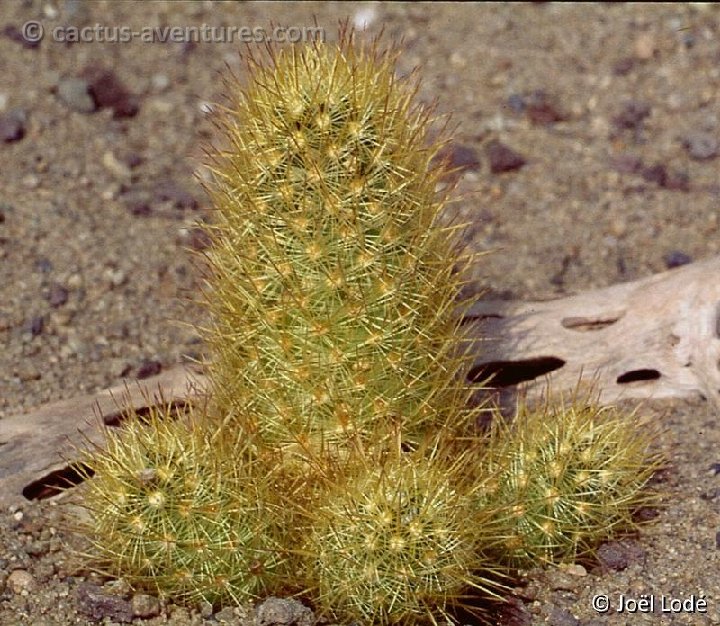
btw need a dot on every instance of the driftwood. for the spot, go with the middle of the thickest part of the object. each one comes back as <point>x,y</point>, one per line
<point>653,338</point>
<point>658,337</point>
<point>34,447</point>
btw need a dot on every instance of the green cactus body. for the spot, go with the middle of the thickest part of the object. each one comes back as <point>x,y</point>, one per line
<point>332,289</point>
<point>566,478</point>
<point>172,513</point>
<point>389,541</point>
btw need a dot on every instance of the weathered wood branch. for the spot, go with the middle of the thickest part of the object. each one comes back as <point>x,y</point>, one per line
<point>658,337</point>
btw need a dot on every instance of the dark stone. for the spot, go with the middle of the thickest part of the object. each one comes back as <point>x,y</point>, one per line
<point>14,33</point>
<point>676,258</point>
<point>199,239</point>
<point>108,91</point>
<point>618,555</point>
<point>516,103</point>
<point>282,612</point>
<point>133,159</point>
<point>99,606</point>
<point>677,181</point>
<point>623,66</point>
<point>515,613</point>
<point>562,617</point>
<point>57,295</point>
<point>35,325</point>
<point>656,174</point>
<point>148,368</point>
<point>715,467</point>
<point>12,125</point>
<point>701,146</point>
<point>540,108</point>
<point>460,158</point>
<point>137,203</point>
<point>632,115</point>
<point>170,191</point>
<point>44,265</point>
<point>502,158</point>
<point>627,164</point>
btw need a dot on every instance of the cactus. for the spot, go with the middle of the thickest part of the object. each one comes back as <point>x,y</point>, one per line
<point>172,512</point>
<point>567,477</point>
<point>331,287</point>
<point>389,540</point>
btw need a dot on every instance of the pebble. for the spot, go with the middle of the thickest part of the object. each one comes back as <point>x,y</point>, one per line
<point>75,93</point>
<point>541,108</point>
<point>35,325</point>
<point>617,556</point>
<point>30,181</point>
<point>624,66</point>
<point>283,612</point>
<point>93,602</point>
<point>21,581</point>
<point>160,82</point>
<point>206,610</point>
<point>170,191</point>
<point>57,295</point>
<point>115,166</point>
<point>137,202</point>
<point>460,157</point>
<point>562,617</point>
<point>194,237</point>
<point>561,580</point>
<point>701,146</point>
<point>115,277</point>
<point>632,115</point>
<point>12,125</point>
<point>644,46</point>
<point>676,258</point>
<point>109,92</point>
<point>147,368</point>
<point>27,372</point>
<point>13,32</point>
<point>145,606</point>
<point>502,158</point>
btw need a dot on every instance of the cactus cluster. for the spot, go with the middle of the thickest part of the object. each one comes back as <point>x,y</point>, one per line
<point>334,455</point>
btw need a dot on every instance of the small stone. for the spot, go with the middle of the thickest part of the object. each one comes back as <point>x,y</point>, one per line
<point>27,372</point>
<point>44,265</point>
<point>14,33</point>
<point>701,146</point>
<point>21,581</point>
<point>206,610</point>
<point>644,46</point>
<point>541,108</point>
<point>35,325</point>
<point>560,580</point>
<point>282,612</point>
<point>574,569</point>
<point>502,158</point>
<point>632,115</point>
<point>627,164</point>
<point>676,258</point>
<point>562,617</point>
<point>170,191</point>
<point>30,181</point>
<point>37,548</point>
<point>145,606</point>
<point>57,295</point>
<point>75,93</point>
<point>148,368</point>
<point>460,158</point>
<point>677,181</point>
<point>97,605</point>
<point>516,103</point>
<point>160,82</point>
<point>115,277</point>
<point>114,166</point>
<point>107,91</point>
<point>624,66</point>
<point>137,202</point>
<point>617,556</point>
<point>194,237</point>
<point>656,174</point>
<point>226,616</point>
<point>12,125</point>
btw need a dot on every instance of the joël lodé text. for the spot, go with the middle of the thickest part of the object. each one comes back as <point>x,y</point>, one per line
<point>649,603</point>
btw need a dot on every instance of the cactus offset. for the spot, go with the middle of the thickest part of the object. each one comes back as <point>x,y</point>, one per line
<point>566,478</point>
<point>173,512</point>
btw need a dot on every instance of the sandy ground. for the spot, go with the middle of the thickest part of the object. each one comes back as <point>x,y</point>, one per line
<point>612,117</point>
